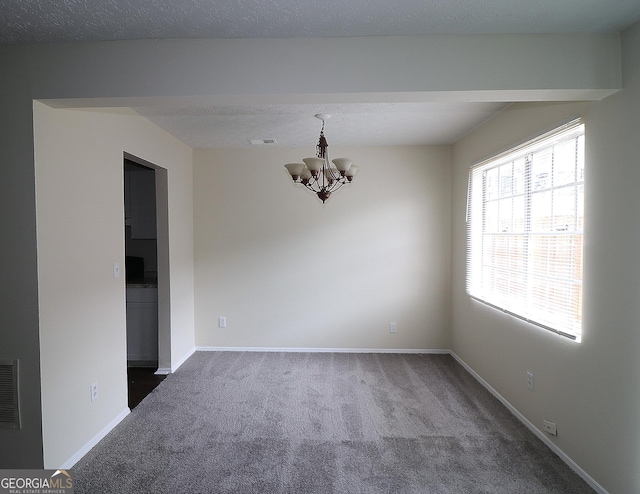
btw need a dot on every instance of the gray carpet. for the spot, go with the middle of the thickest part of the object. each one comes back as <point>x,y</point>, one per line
<point>296,423</point>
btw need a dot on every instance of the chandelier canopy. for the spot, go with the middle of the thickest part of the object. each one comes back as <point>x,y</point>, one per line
<point>317,174</point>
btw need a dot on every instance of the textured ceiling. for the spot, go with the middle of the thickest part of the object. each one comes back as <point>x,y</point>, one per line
<point>26,21</point>
<point>47,21</point>
<point>350,124</point>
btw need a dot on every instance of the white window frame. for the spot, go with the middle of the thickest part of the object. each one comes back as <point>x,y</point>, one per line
<point>520,295</point>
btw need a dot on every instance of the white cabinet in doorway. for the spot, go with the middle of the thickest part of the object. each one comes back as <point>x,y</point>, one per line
<point>142,324</point>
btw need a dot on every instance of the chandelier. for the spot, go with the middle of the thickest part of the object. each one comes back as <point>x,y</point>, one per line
<point>317,174</point>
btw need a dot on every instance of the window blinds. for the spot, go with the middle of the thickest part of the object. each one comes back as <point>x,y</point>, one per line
<point>525,230</point>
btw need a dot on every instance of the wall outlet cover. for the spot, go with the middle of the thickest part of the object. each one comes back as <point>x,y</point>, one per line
<point>550,427</point>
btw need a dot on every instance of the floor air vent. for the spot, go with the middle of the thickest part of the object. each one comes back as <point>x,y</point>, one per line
<point>9,403</point>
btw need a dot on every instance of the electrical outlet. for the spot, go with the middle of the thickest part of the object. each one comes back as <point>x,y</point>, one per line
<point>530,380</point>
<point>550,427</point>
<point>94,391</point>
<point>392,327</point>
<point>222,322</point>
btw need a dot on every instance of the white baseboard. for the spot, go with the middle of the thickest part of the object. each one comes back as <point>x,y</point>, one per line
<point>320,350</point>
<point>100,435</point>
<point>538,433</point>
<point>67,465</point>
<point>176,366</point>
<point>163,371</point>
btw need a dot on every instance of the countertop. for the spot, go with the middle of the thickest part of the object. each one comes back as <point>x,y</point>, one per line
<point>147,282</point>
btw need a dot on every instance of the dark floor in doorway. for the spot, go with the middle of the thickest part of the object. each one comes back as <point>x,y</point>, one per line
<point>142,380</point>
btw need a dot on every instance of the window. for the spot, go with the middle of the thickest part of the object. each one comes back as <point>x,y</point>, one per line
<point>525,230</point>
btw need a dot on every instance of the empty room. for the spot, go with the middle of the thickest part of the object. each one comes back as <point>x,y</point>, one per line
<point>460,315</point>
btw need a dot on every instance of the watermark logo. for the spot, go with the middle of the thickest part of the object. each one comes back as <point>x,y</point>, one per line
<point>36,482</point>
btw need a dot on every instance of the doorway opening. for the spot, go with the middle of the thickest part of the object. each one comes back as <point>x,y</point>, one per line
<point>146,271</point>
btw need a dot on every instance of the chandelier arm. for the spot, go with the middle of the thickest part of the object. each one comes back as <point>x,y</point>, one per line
<point>310,185</point>
<point>316,184</point>
<point>335,175</point>
<point>336,185</point>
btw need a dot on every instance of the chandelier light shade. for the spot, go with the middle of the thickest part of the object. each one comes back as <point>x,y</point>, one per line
<point>318,174</point>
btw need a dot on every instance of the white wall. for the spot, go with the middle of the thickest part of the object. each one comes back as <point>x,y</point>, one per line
<point>287,271</point>
<point>590,388</point>
<point>80,229</point>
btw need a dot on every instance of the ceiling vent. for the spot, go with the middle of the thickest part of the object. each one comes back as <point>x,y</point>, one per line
<point>259,142</point>
<point>9,403</point>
